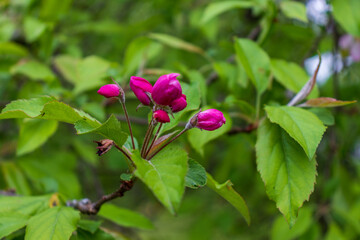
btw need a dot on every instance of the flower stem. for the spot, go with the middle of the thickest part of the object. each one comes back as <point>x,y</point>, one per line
<point>176,137</point>
<point>147,137</point>
<point>153,141</point>
<point>128,122</point>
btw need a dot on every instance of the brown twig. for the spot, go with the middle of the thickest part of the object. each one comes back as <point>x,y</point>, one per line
<point>87,207</point>
<point>248,129</point>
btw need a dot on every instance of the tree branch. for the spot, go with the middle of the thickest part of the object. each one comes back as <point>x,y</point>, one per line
<point>85,206</point>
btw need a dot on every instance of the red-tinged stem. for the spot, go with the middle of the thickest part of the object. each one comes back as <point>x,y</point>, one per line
<point>153,141</point>
<point>147,137</point>
<point>128,122</point>
<point>161,148</point>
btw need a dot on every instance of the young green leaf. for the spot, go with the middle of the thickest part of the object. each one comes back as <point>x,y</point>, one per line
<point>196,175</point>
<point>288,175</point>
<point>291,76</point>
<point>111,129</point>
<point>324,115</point>
<point>216,8</point>
<point>325,102</point>
<point>176,43</point>
<point>255,62</point>
<point>295,10</point>
<point>10,223</point>
<point>23,205</point>
<point>164,175</point>
<point>14,178</point>
<point>88,225</point>
<point>226,191</point>
<point>125,217</point>
<point>346,13</point>
<point>300,124</point>
<point>56,223</point>
<point>33,70</point>
<point>33,134</point>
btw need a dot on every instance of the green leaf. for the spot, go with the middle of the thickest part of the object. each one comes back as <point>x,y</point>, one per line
<point>295,10</point>
<point>226,191</point>
<point>34,70</point>
<point>28,206</point>
<point>255,62</point>
<point>346,12</point>
<point>300,124</point>
<point>216,8</point>
<point>111,129</point>
<point>125,217</point>
<point>175,42</point>
<point>33,134</point>
<point>33,28</point>
<point>286,171</point>
<point>88,225</point>
<point>85,73</point>
<point>164,175</point>
<point>45,108</point>
<point>14,178</point>
<point>325,102</point>
<point>56,223</point>
<point>13,49</point>
<point>196,175</point>
<point>291,76</point>
<point>10,223</point>
<point>198,138</point>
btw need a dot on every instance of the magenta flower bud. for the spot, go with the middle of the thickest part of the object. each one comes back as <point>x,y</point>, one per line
<point>210,119</point>
<point>140,86</point>
<point>109,90</point>
<point>166,89</point>
<point>179,104</point>
<point>161,116</point>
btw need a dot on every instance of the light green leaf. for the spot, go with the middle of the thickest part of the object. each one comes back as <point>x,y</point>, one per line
<point>85,73</point>
<point>255,62</point>
<point>45,108</point>
<point>139,50</point>
<point>175,42</point>
<point>111,129</point>
<point>196,175</point>
<point>216,8</point>
<point>28,206</point>
<point>125,217</point>
<point>286,171</point>
<point>88,225</point>
<point>295,10</point>
<point>10,223</point>
<point>33,28</point>
<point>13,49</point>
<point>56,223</point>
<point>14,178</point>
<point>291,76</point>
<point>226,191</point>
<point>303,126</point>
<point>198,138</point>
<point>34,70</point>
<point>33,134</point>
<point>346,12</point>
<point>164,175</point>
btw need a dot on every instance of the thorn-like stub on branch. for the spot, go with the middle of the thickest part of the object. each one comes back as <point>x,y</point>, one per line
<point>104,146</point>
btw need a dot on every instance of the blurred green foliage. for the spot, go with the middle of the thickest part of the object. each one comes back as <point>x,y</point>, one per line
<point>67,49</point>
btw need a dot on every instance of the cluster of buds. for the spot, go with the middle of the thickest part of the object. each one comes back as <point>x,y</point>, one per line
<point>164,99</point>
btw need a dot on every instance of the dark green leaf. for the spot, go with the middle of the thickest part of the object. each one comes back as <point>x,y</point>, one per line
<point>196,175</point>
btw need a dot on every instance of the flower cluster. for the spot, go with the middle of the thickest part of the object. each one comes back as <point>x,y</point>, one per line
<point>164,98</point>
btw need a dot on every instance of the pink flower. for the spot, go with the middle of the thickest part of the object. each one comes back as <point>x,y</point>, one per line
<point>166,89</point>
<point>140,86</point>
<point>161,116</point>
<point>109,90</point>
<point>210,119</point>
<point>355,51</point>
<point>179,104</point>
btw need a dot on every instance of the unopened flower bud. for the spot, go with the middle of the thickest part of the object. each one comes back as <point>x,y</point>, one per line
<point>140,87</point>
<point>109,90</point>
<point>178,104</point>
<point>210,119</point>
<point>161,116</point>
<point>166,89</point>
